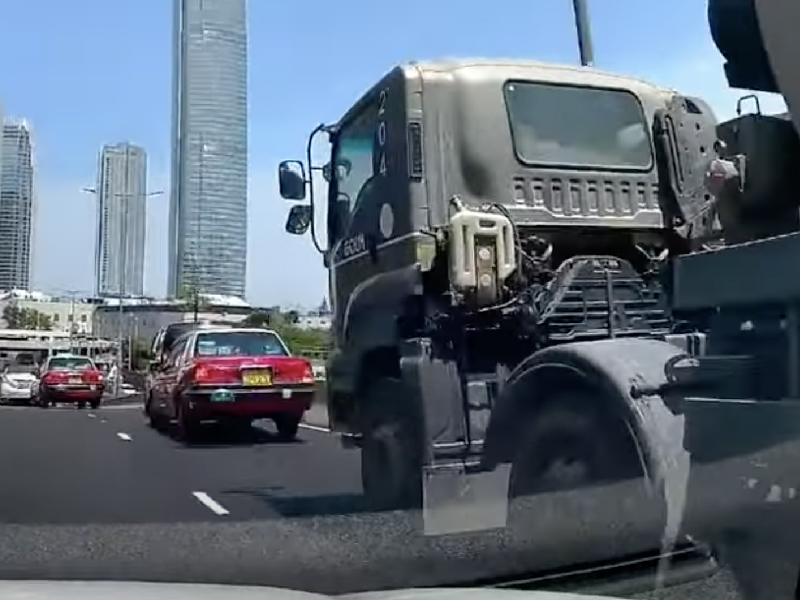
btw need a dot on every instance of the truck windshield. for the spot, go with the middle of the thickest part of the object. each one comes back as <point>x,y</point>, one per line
<point>577,126</point>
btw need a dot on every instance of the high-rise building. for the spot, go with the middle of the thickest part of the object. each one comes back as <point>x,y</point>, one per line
<point>16,205</point>
<point>208,195</point>
<point>121,220</point>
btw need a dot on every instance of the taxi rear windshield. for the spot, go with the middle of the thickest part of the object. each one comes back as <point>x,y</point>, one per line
<point>230,343</point>
<point>70,363</point>
<point>561,125</point>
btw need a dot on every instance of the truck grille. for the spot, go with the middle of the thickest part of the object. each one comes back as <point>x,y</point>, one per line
<point>598,296</point>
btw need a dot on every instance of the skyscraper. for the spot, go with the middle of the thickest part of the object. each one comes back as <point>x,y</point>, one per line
<point>121,220</point>
<point>16,205</point>
<point>208,195</point>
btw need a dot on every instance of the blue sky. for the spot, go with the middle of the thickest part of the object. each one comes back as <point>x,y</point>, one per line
<point>89,72</point>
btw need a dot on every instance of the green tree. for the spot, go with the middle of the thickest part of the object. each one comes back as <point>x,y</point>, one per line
<point>11,315</point>
<point>300,340</point>
<point>26,318</point>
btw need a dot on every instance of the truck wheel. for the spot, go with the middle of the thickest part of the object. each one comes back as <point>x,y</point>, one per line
<point>287,426</point>
<point>571,444</point>
<point>391,449</point>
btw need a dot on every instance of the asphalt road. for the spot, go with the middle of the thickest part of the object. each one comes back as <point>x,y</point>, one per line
<point>109,466</point>
<point>99,494</point>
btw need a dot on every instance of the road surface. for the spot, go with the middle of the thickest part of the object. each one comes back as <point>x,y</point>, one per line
<point>108,466</point>
<point>99,494</point>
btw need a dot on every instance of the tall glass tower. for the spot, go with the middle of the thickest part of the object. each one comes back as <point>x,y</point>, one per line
<point>121,220</point>
<point>208,195</point>
<point>16,204</point>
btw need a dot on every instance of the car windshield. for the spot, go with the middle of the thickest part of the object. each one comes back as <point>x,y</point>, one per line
<point>240,343</point>
<point>20,369</point>
<point>69,363</point>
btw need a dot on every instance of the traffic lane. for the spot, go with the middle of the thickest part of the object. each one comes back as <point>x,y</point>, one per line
<point>64,465</point>
<point>344,552</point>
<point>567,528</point>
<point>251,474</point>
<point>108,466</point>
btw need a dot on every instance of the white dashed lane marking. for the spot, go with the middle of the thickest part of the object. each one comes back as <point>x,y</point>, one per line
<point>124,437</point>
<point>210,503</point>
<point>315,428</point>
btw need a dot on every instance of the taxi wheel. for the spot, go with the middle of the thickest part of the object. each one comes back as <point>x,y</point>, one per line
<point>287,426</point>
<point>152,418</point>
<point>188,427</point>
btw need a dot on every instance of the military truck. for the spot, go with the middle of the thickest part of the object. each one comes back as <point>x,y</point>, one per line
<point>511,248</point>
<point>486,219</point>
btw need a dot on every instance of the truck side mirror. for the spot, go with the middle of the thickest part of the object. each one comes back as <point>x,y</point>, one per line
<point>299,219</point>
<point>292,180</point>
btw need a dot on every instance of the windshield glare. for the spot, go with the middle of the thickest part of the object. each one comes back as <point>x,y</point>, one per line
<point>577,126</point>
<point>239,344</point>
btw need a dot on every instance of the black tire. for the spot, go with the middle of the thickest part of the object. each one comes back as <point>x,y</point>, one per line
<point>287,426</point>
<point>391,449</point>
<point>42,401</point>
<point>189,428</point>
<point>94,404</point>
<point>152,418</point>
<point>571,443</point>
<point>81,405</point>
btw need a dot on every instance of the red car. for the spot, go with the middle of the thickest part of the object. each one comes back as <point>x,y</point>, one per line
<point>233,375</point>
<point>66,378</point>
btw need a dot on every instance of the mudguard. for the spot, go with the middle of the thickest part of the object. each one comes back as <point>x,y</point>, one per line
<point>619,368</point>
<point>726,469</point>
<point>369,321</point>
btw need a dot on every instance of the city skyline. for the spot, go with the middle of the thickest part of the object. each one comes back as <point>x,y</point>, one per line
<point>16,203</point>
<point>208,195</point>
<point>288,93</point>
<point>121,220</point>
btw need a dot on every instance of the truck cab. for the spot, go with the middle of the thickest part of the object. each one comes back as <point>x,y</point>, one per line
<point>573,162</point>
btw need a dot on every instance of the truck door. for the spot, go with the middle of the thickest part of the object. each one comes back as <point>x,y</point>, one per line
<point>361,188</point>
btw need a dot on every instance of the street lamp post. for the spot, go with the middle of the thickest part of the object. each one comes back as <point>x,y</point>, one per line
<point>124,197</point>
<point>581,13</point>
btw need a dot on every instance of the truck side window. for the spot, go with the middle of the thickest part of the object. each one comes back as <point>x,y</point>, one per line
<point>352,167</point>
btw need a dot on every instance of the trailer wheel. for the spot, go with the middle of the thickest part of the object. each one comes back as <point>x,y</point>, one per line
<point>569,444</point>
<point>391,450</point>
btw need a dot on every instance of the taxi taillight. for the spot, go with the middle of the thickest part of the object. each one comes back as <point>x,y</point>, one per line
<point>203,374</point>
<point>308,374</point>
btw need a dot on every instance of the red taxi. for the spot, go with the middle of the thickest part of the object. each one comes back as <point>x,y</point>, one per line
<point>66,378</point>
<point>233,375</point>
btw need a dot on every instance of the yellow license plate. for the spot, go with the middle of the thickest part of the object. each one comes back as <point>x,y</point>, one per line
<point>75,381</point>
<point>257,378</point>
